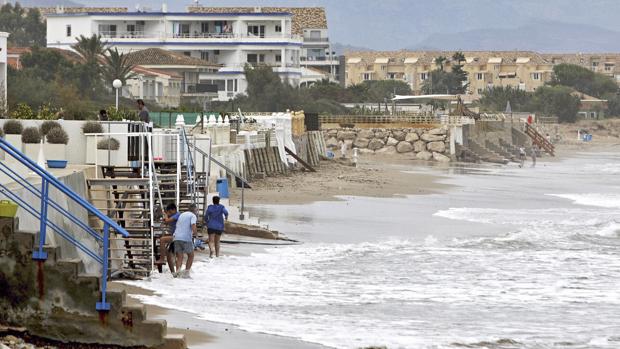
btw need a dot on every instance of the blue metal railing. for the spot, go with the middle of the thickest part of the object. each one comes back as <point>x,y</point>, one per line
<point>48,179</point>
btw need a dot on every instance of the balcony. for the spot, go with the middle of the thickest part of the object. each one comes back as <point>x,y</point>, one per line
<point>311,39</point>
<point>137,36</point>
<point>319,60</point>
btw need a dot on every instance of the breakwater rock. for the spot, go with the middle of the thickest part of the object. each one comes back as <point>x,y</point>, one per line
<point>424,143</point>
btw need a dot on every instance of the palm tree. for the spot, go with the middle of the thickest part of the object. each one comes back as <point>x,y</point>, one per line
<point>117,66</point>
<point>458,57</point>
<point>90,48</point>
<point>439,61</point>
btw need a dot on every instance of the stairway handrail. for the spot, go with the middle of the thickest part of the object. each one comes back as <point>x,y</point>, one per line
<point>46,179</point>
<point>11,150</point>
<point>203,153</point>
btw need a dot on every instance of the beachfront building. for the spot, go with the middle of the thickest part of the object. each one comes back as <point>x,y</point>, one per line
<point>230,39</point>
<point>524,70</point>
<point>3,68</point>
<point>603,63</point>
<point>310,24</point>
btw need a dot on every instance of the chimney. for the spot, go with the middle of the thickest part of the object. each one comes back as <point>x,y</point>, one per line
<point>164,7</point>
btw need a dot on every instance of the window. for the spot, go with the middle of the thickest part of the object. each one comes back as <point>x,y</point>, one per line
<point>392,76</point>
<point>256,58</point>
<point>609,67</point>
<point>594,64</point>
<point>479,91</point>
<point>496,67</point>
<point>423,76</point>
<point>366,76</point>
<point>204,55</point>
<point>278,28</point>
<point>187,53</point>
<point>479,76</point>
<point>278,58</point>
<point>256,30</point>
<point>315,34</point>
<point>522,86</point>
<point>535,76</point>
<point>383,67</point>
<point>107,30</point>
<point>68,30</point>
<point>131,29</point>
<point>204,27</point>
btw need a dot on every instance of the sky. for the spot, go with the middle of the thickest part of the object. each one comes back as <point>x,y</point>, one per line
<point>399,24</point>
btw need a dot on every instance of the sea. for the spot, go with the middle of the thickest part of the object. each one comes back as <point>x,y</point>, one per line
<point>503,257</point>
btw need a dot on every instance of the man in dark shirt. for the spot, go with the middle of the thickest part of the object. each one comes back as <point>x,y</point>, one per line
<point>143,113</point>
<point>171,217</point>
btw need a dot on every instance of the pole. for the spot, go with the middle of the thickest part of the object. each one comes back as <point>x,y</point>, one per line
<point>241,215</point>
<point>178,184</point>
<point>149,140</point>
<point>116,99</point>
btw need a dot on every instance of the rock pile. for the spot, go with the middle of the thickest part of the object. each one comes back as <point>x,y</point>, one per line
<point>427,144</point>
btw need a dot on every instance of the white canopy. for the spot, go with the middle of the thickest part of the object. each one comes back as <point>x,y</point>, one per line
<point>438,97</point>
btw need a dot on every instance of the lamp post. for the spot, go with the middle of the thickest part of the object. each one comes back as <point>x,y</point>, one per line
<point>117,84</point>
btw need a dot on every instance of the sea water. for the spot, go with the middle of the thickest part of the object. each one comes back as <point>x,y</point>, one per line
<point>506,258</point>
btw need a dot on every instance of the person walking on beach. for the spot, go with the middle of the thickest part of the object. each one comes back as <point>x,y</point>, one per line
<point>214,217</point>
<point>522,155</point>
<point>343,149</point>
<point>534,154</point>
<point>165,242</point>
<point>183,241</point>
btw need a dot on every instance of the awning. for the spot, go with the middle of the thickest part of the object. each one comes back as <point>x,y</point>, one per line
<point>521,60</point>
<point>495,60</point>
<point>411,60</point>
<point>436,97</point>
<point>511,74</point>
<point>470,59</point>
<point>382,60</point>
<point>354,60</point>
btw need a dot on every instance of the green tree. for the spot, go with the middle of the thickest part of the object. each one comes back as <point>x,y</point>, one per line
<point>496,98</point>
<point>117,66</point>
<point>25,25</point>
<point>556,101</point>
<point>91,49</point>
<point>583,80</point>
<point>440,61</point>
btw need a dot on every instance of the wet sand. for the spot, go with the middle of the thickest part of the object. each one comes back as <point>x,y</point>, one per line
<point>375,176</point>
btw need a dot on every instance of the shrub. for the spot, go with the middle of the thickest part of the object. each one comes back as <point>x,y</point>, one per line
<point>13,127</point>
<point>23,111</point>
<point>47,112</point>
<point>108,143</point>
<point>92,127</point>
<point>46,126</point>
<point>31,135</point>
<point>57,136</point>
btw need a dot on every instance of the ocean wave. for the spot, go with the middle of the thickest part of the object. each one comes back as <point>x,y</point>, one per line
<point>592,199</point>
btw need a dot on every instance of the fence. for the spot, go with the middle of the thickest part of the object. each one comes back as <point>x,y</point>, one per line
<point>379,119</point>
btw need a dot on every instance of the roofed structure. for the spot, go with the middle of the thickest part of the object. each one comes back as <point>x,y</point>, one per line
<point>156,56</point>
<point>303,17</point>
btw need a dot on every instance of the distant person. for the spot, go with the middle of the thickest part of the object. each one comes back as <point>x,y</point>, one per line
<point>143,112</point>
<point>103,115</point>
<point>534,154</point>
<point>183,241</point>
<point>214,218</point>
<point>165,242</point>
<point>530,119</point>
<point>343,149</point>
<point>522,156</point>
<point>548,137</point>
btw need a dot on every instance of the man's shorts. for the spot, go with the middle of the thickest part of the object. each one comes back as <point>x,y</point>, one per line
<point>179,246</point>
<point>213,231</point>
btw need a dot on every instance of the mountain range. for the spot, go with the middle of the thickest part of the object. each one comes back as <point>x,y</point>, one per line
<point>540,25</point>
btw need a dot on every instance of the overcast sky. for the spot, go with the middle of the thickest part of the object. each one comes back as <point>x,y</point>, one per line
<point>396,24</point>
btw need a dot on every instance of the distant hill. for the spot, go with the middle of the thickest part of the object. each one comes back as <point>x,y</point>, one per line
<point>45,3</point>
<point>536,36</point>
<point>340,49</point>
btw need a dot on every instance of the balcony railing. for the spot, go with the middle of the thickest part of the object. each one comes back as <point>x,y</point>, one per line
<point>195,35</point>
<point>318,58</point>
<point>310,39</point>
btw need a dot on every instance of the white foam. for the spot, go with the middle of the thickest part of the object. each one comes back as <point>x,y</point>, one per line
<point>592,199</point>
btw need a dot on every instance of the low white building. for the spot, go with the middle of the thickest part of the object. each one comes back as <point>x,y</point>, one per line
<point>231,40</point>
<point>3,65</point>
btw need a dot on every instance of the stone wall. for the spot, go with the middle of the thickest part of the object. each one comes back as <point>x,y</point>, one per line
<point>425,144</point>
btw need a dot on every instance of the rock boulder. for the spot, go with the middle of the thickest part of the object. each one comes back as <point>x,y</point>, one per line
<point>344,135</point>
<point>411,137</point>
<point>440,157</point>
<point>375,144</point>
<point>366,134</point>
<point>419,146</point>
<point>404,147</point>
<point>391,141</point>
<point>399,135</point>
<point>389,150</point>
<point>424,155</point>
<point>438,131</point>
<point>427,137</point>
<point>437,147</point>
<point>332,143</point>
<point>361,143</point>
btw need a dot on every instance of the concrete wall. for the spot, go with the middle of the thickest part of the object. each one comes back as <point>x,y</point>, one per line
<point>3,67</point>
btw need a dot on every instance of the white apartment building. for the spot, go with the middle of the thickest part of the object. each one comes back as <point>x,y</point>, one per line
<point>3,65</point>
<point>229,39</point>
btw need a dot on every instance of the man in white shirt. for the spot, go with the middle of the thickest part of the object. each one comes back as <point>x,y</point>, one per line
<point>183,240</point>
